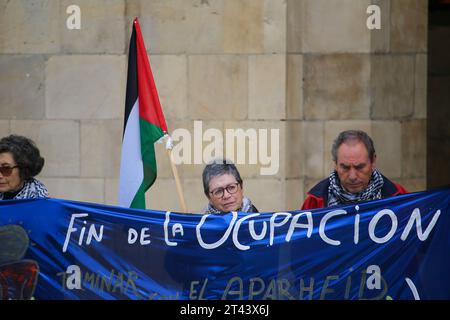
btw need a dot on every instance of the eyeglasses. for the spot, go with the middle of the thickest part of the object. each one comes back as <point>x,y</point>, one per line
<point>231,189</point>
<point>7,171</point>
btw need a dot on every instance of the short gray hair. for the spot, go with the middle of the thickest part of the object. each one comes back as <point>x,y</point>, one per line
<point>218,168</point>
<point>353,135</point>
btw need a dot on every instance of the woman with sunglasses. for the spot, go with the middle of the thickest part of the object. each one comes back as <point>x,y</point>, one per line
<point>223,187</point>
<point>20,161</point>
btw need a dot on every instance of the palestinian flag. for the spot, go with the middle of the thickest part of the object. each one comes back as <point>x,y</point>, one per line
<point>144,124</point>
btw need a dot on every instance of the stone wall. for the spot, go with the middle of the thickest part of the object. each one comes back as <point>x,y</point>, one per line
<point>309,68</point>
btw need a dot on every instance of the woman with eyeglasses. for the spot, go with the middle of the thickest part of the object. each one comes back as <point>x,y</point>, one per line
<point>223,187</point>
<point>20,161</point>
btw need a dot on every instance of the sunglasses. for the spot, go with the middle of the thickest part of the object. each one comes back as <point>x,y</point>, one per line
<point>7,171</point>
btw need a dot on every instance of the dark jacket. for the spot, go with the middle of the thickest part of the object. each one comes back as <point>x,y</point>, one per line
<point>318,195</point>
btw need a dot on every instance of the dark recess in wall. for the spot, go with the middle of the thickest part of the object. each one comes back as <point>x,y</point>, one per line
<point>438,94</point>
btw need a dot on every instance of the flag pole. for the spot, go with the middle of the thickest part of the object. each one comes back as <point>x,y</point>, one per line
<point>169,147</point>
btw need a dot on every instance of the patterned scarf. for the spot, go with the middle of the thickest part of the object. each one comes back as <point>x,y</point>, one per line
<point>31,189</point>
<point>246,207</point>
<point>337,195</point>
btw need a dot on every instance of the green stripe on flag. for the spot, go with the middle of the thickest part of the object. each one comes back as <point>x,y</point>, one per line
<point>149,135</point>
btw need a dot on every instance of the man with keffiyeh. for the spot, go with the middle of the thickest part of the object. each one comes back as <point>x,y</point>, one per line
<point>355,177</point>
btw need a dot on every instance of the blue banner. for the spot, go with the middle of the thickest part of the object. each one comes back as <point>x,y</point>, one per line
<point>395,248</point>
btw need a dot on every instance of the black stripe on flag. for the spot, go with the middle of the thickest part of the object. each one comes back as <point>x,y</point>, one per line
<point>132,79</point>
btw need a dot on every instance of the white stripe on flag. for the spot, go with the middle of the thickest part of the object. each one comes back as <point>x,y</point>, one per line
<point>131,166</point>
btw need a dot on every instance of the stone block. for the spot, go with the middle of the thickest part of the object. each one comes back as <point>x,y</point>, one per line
<point>22,86</point>
<point>267,195</point>
<point>313,149</point>
<point>213,26</point>
<point>259,147</point>
<point>380,38</point>
<point>295,149</point>
<point>332,130</point>
<point>4,128</point>
<point>217,87</point>
<point>58,142</point>
<point>170,74</point>
<point>335,26</point>
<point>414,148</point>
<point>101,142</point>
<point>243,15</point>
<point>85,87</point>
<point>195,198</point>
<point>294,31</point>
<point>387,138</point>
<point>392,86</point>
<point>336,86</point>
<point>413,185</point>
<point>274,26</point>
<point>420,87</point>
<point>102,28</point>
<point>29,26</point>
<point>267,87</point>
<point>197,150</point>
<point>86,190</point>
<point>295,194</point>
<point>132,10</point>
<point>179,26</point>
<point>112,191</point>
<point>409,25</point>
<point>163,196</point>
<point>294,87</point>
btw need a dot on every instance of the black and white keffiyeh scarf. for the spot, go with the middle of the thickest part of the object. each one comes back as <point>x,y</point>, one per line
<point>246,207</point>
<point>31,189</point>
<point>337,195</point>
